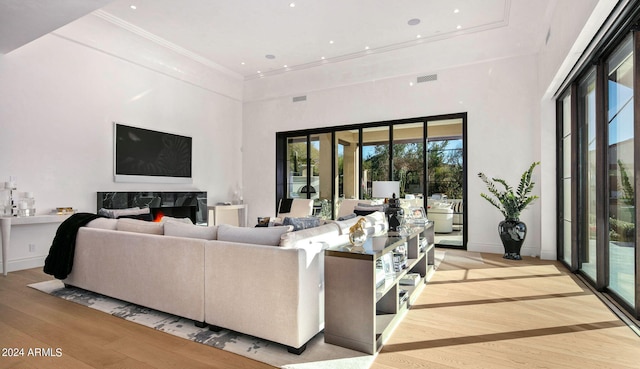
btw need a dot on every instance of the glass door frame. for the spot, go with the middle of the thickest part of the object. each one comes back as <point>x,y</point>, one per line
<point>281,157</point>
<point>579,161</point>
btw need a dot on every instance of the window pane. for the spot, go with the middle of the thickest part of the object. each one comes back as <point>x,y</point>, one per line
<point>566,180</point>
<point>321,180</point>
<point>621,173</point>
<point>444,158</point>
<point>408,159</point>
<point>587,121</point>
<point>297,165</point>
<point>375,157</point>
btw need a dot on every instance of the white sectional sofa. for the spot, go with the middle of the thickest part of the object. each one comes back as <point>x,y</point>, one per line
<point>267,282</point>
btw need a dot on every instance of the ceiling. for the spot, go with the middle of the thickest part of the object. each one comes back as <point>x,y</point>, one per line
<point>255,38</point>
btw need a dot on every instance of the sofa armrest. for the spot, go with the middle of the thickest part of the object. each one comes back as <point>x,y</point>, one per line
<point>266,291</point>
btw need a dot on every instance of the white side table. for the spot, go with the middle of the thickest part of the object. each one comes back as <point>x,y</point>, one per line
<point>5,230</point>
<point>228,214</point>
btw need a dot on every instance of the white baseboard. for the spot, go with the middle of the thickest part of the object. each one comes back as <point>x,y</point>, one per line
<point>25,263</point>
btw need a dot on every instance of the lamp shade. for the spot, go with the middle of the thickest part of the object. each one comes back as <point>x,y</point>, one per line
<point>385,189</point>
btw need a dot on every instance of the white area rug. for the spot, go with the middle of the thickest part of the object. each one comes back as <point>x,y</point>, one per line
<point>317,355</point>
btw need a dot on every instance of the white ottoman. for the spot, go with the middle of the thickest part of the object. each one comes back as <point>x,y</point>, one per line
<point>442,218</point>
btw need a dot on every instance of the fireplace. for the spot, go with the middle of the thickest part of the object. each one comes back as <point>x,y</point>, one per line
<point>191,205</point>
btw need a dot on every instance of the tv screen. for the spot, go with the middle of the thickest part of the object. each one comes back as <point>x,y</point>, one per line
<point>143,155</point>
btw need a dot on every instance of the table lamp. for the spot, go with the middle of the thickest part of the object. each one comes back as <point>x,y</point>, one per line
<point>389,190</point>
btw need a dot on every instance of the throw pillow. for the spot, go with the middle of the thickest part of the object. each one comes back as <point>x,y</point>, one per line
<point>129,212</point>
<point>366,209</point>
<point>179,229</point>
<point>301,223</point>
<point>139,226</point>
<point>362,213</point>
<point>347,217</point>
<point>257,235</point>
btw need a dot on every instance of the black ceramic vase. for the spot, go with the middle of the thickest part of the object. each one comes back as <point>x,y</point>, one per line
<point>512,233</point>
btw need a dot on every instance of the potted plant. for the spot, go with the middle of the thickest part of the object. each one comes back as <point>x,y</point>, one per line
<point>512,231</point>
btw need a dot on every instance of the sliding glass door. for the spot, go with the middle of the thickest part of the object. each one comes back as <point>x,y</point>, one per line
<point>621,199</point>
<point>589,200</point>
<point>598,209</point>
<point>423,155</point>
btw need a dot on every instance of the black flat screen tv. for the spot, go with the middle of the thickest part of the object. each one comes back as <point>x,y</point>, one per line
<point>144,155</point>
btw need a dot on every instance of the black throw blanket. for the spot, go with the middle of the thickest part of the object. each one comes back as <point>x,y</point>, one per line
<point>285,206</point>
<point>60,259</point>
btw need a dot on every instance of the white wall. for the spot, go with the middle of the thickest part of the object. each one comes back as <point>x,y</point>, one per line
<point>60,95</point>
<point>573,25</point>
<point>500,101</point>
<point>501,88</point>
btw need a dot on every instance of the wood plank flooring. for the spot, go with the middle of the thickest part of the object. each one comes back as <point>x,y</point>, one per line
<point>482,311</point>
<point>478,311</point>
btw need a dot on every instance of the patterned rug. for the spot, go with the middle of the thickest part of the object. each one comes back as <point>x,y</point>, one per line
<point>317,355</point>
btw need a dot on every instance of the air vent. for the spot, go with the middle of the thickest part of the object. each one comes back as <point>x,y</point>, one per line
<point>300,98</point>
<point>430,77</point>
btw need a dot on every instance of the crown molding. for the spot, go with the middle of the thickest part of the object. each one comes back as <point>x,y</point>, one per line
<point>504,22</point>
<point>164,43</point>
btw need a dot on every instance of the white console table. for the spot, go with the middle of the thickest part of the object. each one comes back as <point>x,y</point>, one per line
<point>228,214</point>
<point>5,230</point>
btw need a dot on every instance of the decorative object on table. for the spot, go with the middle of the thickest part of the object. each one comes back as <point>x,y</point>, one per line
<point>388,191</point>
<point>400,258</point>
<point>65,210</point>
<point>512,231</point>
<point>14,202</point>
<point>357,234</point>
<point>410,279</point>
<point>416,215</point>
<point>263,221</point>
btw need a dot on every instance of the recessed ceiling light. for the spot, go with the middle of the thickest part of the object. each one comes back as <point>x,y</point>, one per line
<point>133,7</point>
<point>292,5</point>
<point>413,22</point>
<point>285,66</point>
<point>331,42</point>
<point>270,56</point>
<point>366,47</point>
<point>458,27</point>
<point>259,72</point>
<point>322,57</point>
<point>456,11</point>
<point>242,63</point>
<point>418,36</point>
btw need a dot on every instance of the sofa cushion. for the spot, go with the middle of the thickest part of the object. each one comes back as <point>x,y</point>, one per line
<point>258,235</point>
<point>180,229</point>
<point>326,234</point>
<point>139,226</point>
<point>166,219</point>
<point>301,223</point>
<point>103,223</point>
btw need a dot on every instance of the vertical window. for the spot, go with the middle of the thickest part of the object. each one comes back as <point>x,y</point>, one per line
<point>587,121</point>
<point>321,182</point>
<point>566,179</point>
<point>408,158</point>
<point>621,199</point>
<point>297,166</point>
<point>375,157</point>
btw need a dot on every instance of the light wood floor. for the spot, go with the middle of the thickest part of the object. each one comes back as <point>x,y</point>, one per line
<point>478,311</point>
